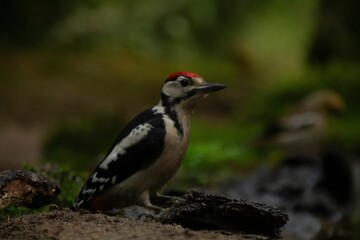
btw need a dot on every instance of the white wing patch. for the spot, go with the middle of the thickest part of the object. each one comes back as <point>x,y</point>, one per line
<point>94,179</point>
<point>89,191</point>
<point>113,180</point>
<point>135,136</point>
<point>158,109</point>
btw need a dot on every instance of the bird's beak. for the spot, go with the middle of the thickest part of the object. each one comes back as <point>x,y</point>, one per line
<point>210,87</point>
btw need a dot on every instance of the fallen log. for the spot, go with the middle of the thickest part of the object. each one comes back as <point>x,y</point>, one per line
<point>199,211</point>
<point>25,188</point>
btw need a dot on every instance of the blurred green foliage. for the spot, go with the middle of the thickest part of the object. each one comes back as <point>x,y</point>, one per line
<point>81,142</point>
<point>217,151</point>
<point>246,31</point>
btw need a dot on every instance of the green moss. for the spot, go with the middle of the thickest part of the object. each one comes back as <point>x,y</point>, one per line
<point>70,181</point>
<point>217,150</point>
<point>14,211</point>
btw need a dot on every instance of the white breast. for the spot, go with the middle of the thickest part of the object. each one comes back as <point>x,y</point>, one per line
<point>174,149</point>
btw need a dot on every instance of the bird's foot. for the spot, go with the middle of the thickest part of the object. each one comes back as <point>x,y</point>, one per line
<point>165,200</point>
<point>141,212</point>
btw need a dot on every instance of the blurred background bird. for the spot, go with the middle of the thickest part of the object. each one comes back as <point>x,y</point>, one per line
<point>311,181</point>
<point>300,132</point>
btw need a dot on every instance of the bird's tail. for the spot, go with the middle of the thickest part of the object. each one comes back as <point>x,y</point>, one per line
<point>80,204</point>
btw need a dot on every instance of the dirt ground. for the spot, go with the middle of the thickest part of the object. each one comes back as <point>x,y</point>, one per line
<point>66,224</point>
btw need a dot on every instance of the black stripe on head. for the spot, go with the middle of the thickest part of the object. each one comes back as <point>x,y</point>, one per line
<point>169,102</point>
<point>186,96</point>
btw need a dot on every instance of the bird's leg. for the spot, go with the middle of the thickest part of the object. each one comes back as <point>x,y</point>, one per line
<point>142,208</point>
<point>144,201</point>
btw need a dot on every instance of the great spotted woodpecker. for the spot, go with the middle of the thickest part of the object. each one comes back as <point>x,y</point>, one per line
<point>149,150</point>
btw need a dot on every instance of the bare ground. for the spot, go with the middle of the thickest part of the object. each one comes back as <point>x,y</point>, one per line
<point>66,224</point>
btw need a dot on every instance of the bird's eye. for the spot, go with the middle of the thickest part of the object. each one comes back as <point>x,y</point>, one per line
<point>185,82</point>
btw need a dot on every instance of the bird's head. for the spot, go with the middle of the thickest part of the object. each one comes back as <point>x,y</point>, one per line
<point>325,101</point>
<point>186,88</point>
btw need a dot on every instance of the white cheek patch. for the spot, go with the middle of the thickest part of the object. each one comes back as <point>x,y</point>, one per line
<point>135,136</point>
<point>172,89</point>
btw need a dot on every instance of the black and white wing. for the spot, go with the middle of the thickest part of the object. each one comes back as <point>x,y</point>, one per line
<point>137,146</point>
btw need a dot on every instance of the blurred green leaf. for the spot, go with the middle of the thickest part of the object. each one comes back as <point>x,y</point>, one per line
<point>82,142</point>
